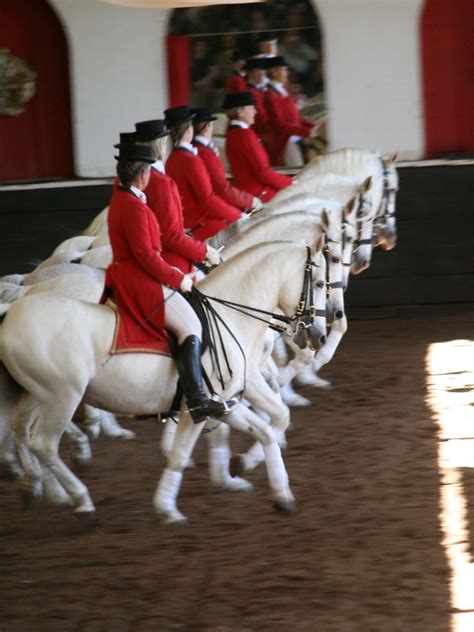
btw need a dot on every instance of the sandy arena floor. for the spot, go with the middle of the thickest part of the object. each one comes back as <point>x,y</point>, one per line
<point>363,552</point>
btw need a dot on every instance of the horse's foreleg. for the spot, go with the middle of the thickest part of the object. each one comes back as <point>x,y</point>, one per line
<point>245,420</point>
<point>167,490</point>
<point>260,395</point>
<point>219,457</point>
<point>326,353</point>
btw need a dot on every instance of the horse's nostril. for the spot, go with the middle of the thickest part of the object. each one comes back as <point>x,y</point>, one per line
<point>322,340</point>
<point>339,314</point>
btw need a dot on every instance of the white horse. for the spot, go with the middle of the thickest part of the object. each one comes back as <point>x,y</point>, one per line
<point>57,350</point>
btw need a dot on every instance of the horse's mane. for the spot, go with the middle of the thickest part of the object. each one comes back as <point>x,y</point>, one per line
<point>348,161</point>
<point>324,185</point>
<point>224,275</point>
<point>284,220</point>
<point>98,226</point>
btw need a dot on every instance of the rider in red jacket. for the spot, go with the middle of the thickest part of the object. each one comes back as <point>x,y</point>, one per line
<point>247,158</point>
<point>144,285</point>
<point>209,153</point>
<point>205,213</point>
<point>163,198</point>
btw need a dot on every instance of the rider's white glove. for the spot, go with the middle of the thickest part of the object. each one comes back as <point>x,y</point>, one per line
<point>212,256</point>
<point>187,283</point>
<point>257,204</point>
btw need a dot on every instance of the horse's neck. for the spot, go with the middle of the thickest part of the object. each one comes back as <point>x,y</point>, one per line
<point>292,226</point>
<point>255,278</point>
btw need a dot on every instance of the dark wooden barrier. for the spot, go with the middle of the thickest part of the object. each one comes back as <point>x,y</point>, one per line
<point>433,263</point>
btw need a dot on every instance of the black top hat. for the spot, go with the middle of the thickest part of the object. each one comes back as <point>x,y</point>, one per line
<point>130,151</point>
<point>178,115</point>
<point>126,137</point>
<point>268,37</point>
<point>150,130</point>
<point>203,115</point>
<point>256,63</point>
<point>237,55</point>
<point>276,62</point>
<point>238,100</point>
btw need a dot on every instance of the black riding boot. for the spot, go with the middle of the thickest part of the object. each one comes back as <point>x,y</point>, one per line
<point>188,362</point>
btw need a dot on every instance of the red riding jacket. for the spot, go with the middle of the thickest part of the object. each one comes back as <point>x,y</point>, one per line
<point>204,212</point>
<point>219,181</point>
<point>284,120</point>
<point>138,269</point>
<point>250,166</point>
<point>163,198</point>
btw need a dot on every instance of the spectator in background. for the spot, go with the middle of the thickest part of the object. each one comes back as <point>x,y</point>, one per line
<point>299,55</point>
<point>256,85</point>
<point>237,81</point>
<point>203,73</point>
<point>268,45</point>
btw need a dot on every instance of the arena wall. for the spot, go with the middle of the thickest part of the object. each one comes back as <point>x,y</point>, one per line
<point>119,68</point>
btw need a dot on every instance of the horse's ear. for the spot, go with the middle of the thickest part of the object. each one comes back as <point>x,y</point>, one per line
<point>393,157</point>
<point>366,184</point>
<point>325,219</point>
<point>318,244</point>
<point>350,206</point>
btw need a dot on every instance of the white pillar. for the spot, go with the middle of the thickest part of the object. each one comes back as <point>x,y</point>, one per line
<point>373,73</point>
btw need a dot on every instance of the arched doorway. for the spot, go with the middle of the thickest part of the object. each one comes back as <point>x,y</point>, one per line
<point>201,41</point>
<point>448,76</point>
<point>35,132</point>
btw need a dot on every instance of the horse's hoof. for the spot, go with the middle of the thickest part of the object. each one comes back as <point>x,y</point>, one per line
<point>93,432</point>
<point>283,505</point>
<point>296,400</point>
<point>87,519</point>
<point>236,484</point>
<point>128,434</point>
<point>237,465</point>
<point>81,463</point>
<point>30,498</point>
<point>10,472</point>
<point>174,517</point>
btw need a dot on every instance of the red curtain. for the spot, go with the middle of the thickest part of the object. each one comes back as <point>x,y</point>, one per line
<point>179,68</point>
<point>37,143</point>
<point>448,75</point>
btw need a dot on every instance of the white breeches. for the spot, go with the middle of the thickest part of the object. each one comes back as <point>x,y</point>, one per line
<point>293,155</point>
<point>180,318</point>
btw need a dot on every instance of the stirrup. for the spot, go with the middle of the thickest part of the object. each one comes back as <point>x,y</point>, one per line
<point>201,412</point>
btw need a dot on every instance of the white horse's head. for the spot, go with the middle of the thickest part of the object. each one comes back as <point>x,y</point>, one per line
<point>385,221</point>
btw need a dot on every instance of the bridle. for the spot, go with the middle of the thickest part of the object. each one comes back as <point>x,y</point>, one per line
<point>384,213</point>
<point>305,312</point>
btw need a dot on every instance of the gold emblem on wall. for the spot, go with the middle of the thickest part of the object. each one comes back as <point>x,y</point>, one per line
<point>17,83</point>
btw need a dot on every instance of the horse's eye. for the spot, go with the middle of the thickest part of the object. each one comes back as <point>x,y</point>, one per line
<point>320,284</point>
<point>335,260</point>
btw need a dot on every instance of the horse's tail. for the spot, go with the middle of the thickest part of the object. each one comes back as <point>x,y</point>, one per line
<point>10,292</point>
<point>13,278</point>
<point>98,226</point>
<point>3,310</point>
